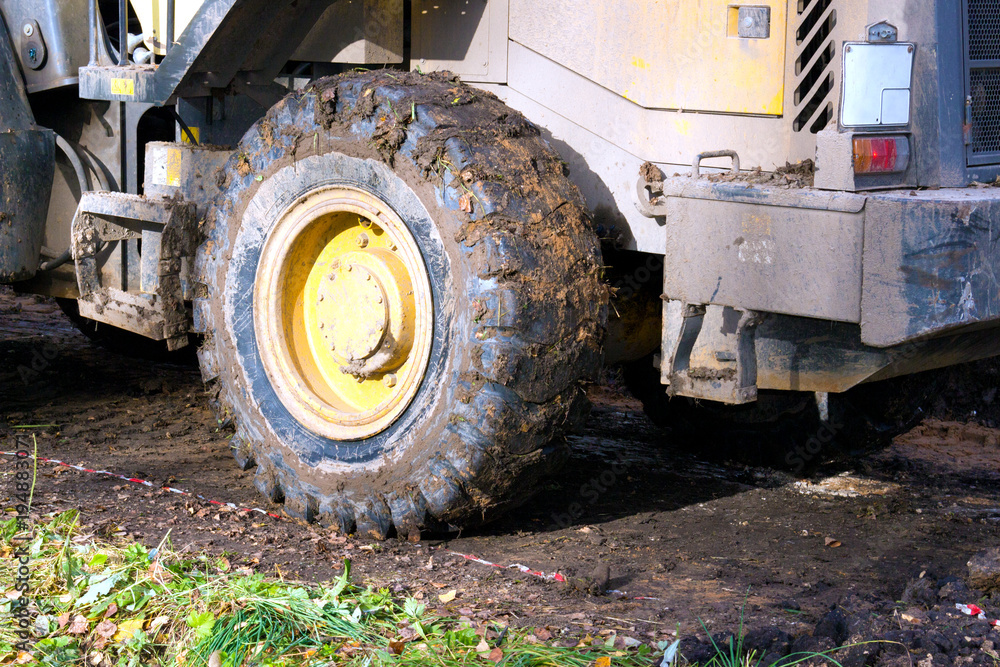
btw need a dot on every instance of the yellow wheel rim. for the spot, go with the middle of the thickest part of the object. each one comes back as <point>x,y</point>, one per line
<point>343,313</point>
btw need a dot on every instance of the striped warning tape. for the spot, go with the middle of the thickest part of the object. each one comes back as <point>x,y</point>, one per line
<point>135,480</point>
<point>975,610</point>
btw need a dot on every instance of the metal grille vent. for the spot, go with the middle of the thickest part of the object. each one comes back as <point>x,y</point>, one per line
<point>815,51</point>
<point>983,65</point>
<point>985,93</point>
<point>984,30</point>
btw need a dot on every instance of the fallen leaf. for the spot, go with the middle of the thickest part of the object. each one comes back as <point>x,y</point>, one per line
<point>832,543</point>
<point>496,655</point>
<point>111,610</point>
<point>449,596</point>
<point>603,661</point>
<point>157,622</point>
<point>543,634</point>
<point>62,620</point>
<point>482,647</point>
<point>24,657</point>
<point>224,564</point>
<point>106,628</point>
<point>465,203</point>
<point>127,629</point>
<point>78,626</point>
<point>215,660</point>
<point>397,647</point>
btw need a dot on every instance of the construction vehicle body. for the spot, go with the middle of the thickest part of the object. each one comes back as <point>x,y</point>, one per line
<point>687,127</point>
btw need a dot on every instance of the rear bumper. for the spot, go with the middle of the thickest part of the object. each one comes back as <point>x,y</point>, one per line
<point>931,263</point>
<point>903,265</point>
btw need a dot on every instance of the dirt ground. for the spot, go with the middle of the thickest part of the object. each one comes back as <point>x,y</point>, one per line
<point>687,540</point>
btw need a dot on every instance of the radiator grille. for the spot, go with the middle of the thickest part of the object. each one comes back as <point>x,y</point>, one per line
<point>815,50</point>
<point>982,25</point>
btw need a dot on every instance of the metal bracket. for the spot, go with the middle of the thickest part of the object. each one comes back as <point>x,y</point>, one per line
<point>696,164</point>
<point>105,218</point>
<point>646,194</point>
<point>882,32</point>
<point>731,377</point>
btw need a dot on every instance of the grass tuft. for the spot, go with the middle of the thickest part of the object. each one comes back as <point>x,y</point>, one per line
<point>104,602</point>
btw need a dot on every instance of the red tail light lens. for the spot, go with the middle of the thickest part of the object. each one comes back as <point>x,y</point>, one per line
<point>881,155</point>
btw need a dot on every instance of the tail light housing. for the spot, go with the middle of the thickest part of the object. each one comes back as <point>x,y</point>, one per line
<point>881,155</point>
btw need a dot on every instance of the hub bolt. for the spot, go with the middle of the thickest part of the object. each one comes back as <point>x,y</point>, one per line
<point>362,240</point>
<point>389,380</point>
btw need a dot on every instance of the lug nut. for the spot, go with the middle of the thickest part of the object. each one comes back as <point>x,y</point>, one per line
<point>389,380</point>
<point>362,240</point>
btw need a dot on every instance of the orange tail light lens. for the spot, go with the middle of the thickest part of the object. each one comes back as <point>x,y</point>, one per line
<point>881,155</point>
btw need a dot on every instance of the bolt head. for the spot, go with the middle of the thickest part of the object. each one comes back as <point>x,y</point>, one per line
<point>29,30</point>
<point>389,380</point>
<point>362,240</point>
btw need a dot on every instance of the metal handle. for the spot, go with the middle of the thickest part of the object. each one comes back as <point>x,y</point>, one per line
<point>696,165</point>
<point>123,32</point>
<point>171,17</point>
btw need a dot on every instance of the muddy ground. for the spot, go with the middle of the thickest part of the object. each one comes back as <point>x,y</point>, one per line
<point>688,540</point>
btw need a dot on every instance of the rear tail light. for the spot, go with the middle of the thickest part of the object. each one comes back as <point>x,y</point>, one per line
<point>881,155</point>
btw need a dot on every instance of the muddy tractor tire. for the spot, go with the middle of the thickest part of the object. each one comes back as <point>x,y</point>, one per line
<point>785,429</point>
<point>401,300</point>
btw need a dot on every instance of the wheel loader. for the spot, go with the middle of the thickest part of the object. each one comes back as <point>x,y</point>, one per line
<point>404,236</point>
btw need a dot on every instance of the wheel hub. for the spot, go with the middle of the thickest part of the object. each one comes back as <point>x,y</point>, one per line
<point>343,313</point>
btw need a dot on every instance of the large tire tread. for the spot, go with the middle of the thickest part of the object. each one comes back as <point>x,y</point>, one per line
<point>538,316</point>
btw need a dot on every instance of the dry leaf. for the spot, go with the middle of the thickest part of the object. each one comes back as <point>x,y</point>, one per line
<point>465,203</point>
<point>832,543</point>
<point>78,626</point>
<point>449,596</point>
<point>111,610</point>
<point>215,660</point>
<point>482,647</point>
<point>127,629</point>
<point>543,634</point>
<point>397,647</point>
<point>224,565</point>
<point>603,661</point>
<point>24,657</point>
<point>62,620</point>
<point>496,655</point>
<point>106,628</point>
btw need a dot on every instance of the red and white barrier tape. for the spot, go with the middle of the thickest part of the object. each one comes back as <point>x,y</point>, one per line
<point>135,480</point>
<point>516,566</point>
<point>975,610</point>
